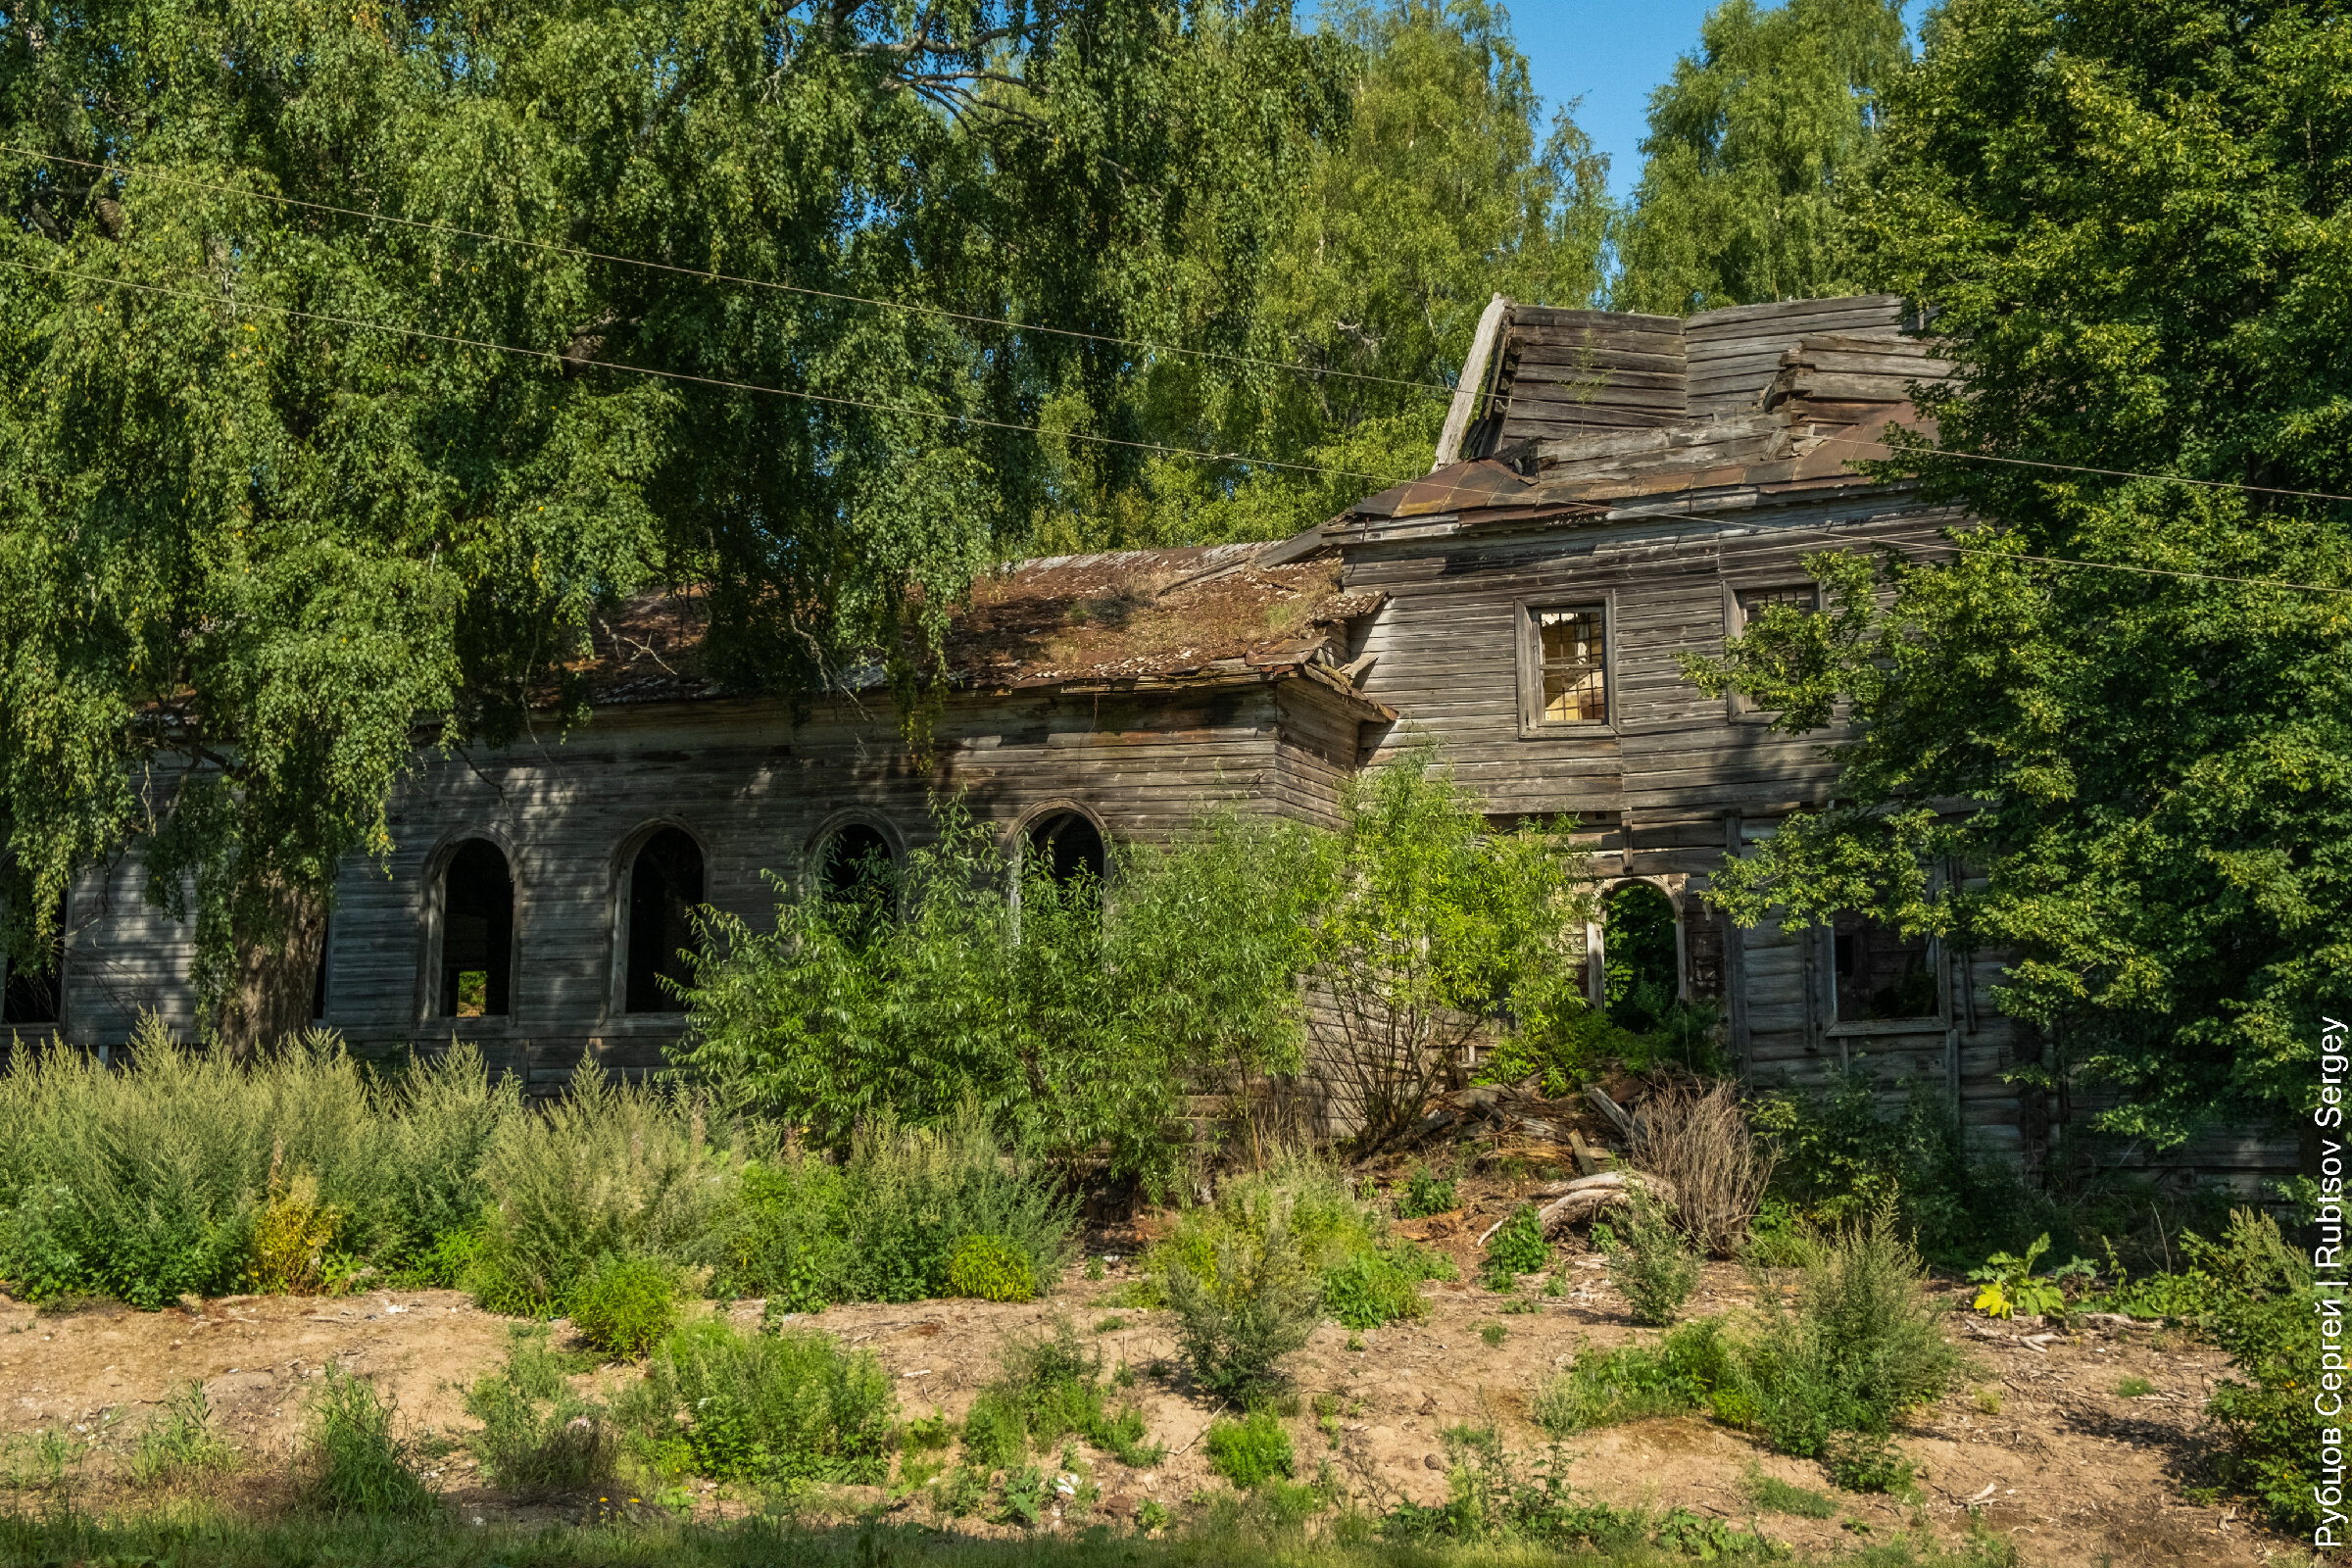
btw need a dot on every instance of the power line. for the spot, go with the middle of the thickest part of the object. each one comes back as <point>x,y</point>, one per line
<point>554,358</point>
<point>2075,468</point>
<point>553,248</point>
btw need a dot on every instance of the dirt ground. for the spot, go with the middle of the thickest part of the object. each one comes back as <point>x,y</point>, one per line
<point>2073,1472</point>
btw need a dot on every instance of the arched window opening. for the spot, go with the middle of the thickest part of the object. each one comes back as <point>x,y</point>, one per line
<point>666,884</point>
<point>477,933</point>
<point>854,866</point>
<point>1067,845</point>
<point>1637,944</point>
<point>36,992</point>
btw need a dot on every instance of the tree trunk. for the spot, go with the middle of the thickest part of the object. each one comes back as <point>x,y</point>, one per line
<point>276,975</point>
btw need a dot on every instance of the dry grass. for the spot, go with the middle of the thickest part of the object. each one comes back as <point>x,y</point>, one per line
<point>1699,1140</point>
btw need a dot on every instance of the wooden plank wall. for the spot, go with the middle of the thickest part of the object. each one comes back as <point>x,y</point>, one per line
<point>1735,353</point>
<point>757,793</point>
<point>1568,372</point>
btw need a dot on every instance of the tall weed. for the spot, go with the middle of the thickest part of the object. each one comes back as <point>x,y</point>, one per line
<point>149,1182</point>
<point>609,1172</point>
<point>536,1434</point>
<point>777,1408</point>
<point>355,1464</point>
<point>1856,1345</point>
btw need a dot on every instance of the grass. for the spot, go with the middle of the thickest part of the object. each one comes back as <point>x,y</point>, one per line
<point>180,1442</point>
<point>1238,1536</point>
<point>354,1466</point>
<point>1251,1450</point>
<point>2134,1387</point>
<point>1775,1495</point>
<point>1607,1387</point>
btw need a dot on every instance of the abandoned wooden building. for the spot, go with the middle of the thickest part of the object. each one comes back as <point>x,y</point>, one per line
<point>1612,492</point>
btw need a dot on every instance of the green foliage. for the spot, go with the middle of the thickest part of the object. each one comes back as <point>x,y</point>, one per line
<point>989,1269</point>
<point>888,1222</point>
<point>1840,1154</point>
<point>1858,1344</point>
<point>1775,1495</point>
<point>1425,1194</point>
<point>2128,218</point>
<point>1437,189</point>
<point>1640,944</point>
<point>780,1409</point>
<point>1648,1259</point>
<point>1491,1497</point>
<point>608,1171</point>
<point>1045,1390</point>
<point>2133,1388</point>
<point>1755,148</point>
<point>146,1183</point>
<point>285,535</point>
<point>972,996</point>
<point>1494,1334</point>
<point>2265,1317</point>
<point>1431,925</point>
<point>536,1434</point>
<point>1250,1450</point>
<point>626,1306</point>
<point>354,1464</point>
<point>1865,1462</point>
<point>178,1441</point>
<point>1608,1388</point>
<point>1517,1249</point>
<point>1253,1302</point>
<point>2011,1285</point>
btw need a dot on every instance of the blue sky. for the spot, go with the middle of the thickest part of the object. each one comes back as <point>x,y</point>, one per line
<point>1610,53</point>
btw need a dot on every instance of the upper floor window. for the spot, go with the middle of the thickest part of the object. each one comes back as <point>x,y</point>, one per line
<point>1563,666</point>
<point>477,933</point>
<point>1749,605</point>
<point>666,884</point>
<point>1881,975</point>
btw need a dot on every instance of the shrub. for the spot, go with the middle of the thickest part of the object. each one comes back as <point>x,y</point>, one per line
<point>1373,1288</point>
<point>626,1306</point>
<point>355,1465</point>
<point>989,1269</point>
<point>179,1440</point>
<point>2264,1319</point>
<point>147,1183</point>
<point>1517,1249</point>
<point>1248,1451</point>
<point>1254,1304</point>
<point>889,1222</point>
<point>1047,1390</point>
<point>1092,1015</point>
<point>1606,1387</point>
<point>608,1171</point>
<point>1648,1259</point>
<point>1425,1194</point>
<point>1858,1344</point>
<point>1697,1141</point>
<point>1865,1462</point>
<point>536,1434</point>
<point>773,1408</point>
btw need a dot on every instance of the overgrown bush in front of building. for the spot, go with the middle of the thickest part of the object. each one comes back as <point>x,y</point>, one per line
<point>610,1170</point>
<point>1648,1259</point>
<point>186,1173</point>
<point>1072,1016</point>
<point>894,1220</point>
<point>774,1408</point>
<point>537,1434</point>
<point>1840,1154</point>
<point>1430,928</point>
<point>1855,1345</point>
<point>2266,1316</point>
<point>352,1464</point>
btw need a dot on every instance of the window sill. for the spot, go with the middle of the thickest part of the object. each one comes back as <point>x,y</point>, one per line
<point>1567,731</point>
<point>643,1023</point>
<point>1892,1027</point>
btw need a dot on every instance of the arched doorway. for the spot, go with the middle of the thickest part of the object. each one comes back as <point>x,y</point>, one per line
<point>1644,972</point>
<point>477,933</point>
<point>1067,846</point>
<point>666,884</point>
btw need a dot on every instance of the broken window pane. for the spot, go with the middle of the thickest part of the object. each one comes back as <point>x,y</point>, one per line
<point>1881,975</point>
<point>1753,602</point>
<point>1576,687</point>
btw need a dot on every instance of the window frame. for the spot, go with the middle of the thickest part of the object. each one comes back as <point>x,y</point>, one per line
<point>429,1015</point>
<point>1738,705</point>
<point>1528,632</point>
<point>1935,1023</point>
<point>618,883</point>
